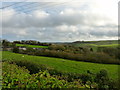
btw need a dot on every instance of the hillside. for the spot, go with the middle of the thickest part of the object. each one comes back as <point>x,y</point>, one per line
<point>32,46</point>
<point>64,65</point>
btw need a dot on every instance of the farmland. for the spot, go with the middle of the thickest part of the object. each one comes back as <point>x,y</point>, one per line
<point>32,46</point>
<point>104,42</point>
<point>61,65</point>
<point>64,65</point>
<point>97,44</point>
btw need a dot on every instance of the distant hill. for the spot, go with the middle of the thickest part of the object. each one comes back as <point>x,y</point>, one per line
<point>102,42</point>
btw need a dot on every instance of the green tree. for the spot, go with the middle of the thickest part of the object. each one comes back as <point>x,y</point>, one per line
<point>15,49</point>
<point>5,43</point>
<point>102,79</point>
<point>85,78</point>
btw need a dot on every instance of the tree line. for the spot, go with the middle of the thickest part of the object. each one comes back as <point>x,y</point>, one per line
<point>106,55</point>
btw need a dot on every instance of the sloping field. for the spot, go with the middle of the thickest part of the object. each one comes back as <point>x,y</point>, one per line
<point>95,45</point>
<point>63,64</point>
<point>32,46</point>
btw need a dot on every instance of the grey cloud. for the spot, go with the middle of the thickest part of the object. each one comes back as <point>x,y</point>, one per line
<point>78,26</point>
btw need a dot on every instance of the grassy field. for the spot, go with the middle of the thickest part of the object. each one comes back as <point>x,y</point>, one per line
<point>32,46</point>
<point>64,65</point>
<point>95,46</point>
<point>104,42</point>
<point>107,43</point>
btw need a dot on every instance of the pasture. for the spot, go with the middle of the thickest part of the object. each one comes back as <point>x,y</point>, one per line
<point>63,64</point>
<point>32,46</point>
<point>96,44</point>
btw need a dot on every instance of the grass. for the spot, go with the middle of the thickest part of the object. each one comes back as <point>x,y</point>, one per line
<point>32,46</point>
<point>64,65</point>
<point>104,42</point>
<point>109,45</point>
<point>95,46</point>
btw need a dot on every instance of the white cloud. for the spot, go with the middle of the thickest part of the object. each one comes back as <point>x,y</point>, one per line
<point>85,21</point>
<point>66,28</point>
<point>40,14</point>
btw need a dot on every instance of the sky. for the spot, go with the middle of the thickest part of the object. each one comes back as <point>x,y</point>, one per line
<point>61,21</point>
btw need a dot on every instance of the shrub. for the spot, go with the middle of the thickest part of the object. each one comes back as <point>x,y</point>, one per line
<point>14,75</point>
<point>19,78</point>
<point>31,66</point>
<point>85,78</point>
<point>94,57</point>
<point>15,50</point>
<point>102,79</point>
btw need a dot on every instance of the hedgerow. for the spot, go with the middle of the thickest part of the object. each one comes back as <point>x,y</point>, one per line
<point>19,77</point>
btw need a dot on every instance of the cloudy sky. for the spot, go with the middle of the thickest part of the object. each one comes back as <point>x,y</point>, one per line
<point>66,20</point>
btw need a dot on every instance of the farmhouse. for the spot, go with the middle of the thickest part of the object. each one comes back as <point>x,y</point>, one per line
<point>22,48</point>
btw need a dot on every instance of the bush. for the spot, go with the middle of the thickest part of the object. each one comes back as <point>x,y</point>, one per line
<point>14,76</point>
<point>102,79</point>
<point>85,78</point>
<point>31,66</point>
<point>19,77</point>
<point>15,50</point>
<point>94,57</point>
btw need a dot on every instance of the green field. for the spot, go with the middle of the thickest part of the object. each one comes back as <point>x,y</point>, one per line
<point>32,46</point>
<point>104,42</point>
<point>95,46</point>
<point>64,65</point>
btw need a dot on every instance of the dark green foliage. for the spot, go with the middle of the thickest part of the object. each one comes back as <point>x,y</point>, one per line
<point>87,57</point>
<point>57,47</point>
<point>91,49</point>
<point>35,68</point>
<point>104,82</point>
<point>102,79</point>
<point>15,50</point>
<point>76,53</point>
<point>31,42</point>
<point>19,77</point>
<point>85,78</point>
<point>31,66</point>
<point>111,51</point>
<point>5,43</point>
<point>29,51</point>
<point>114,84</point>
<point>14,76</point>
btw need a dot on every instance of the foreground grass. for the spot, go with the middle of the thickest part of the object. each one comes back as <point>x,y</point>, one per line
<point>63,64</point>
<point>32,46</point>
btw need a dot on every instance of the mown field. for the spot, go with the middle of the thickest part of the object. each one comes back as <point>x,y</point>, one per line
<point>63,64</point>
<point>32,46</point>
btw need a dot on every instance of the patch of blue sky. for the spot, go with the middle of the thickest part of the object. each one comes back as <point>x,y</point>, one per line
<point>28,7</point>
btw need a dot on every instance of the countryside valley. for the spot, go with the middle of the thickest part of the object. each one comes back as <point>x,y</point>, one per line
<point>79,64</point>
